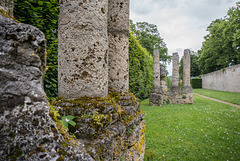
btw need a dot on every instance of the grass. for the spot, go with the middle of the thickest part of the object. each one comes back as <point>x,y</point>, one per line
<point>221,95</point>
<point>206,130</point>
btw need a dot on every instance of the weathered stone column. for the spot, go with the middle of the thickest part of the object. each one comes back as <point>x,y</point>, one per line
<point>163,74</point>
<point>7,7</point>
<point>156,69</point>
<point>175,70</point>
<point>186,68</point>
<point>118,30</point>
<point>83,49</point>
<point>155,92</point>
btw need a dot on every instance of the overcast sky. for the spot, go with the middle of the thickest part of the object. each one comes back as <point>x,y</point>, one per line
<point>181,23</point>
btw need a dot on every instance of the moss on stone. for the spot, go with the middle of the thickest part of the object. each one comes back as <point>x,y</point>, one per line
<point>7,15</point>
<point>95,111</point>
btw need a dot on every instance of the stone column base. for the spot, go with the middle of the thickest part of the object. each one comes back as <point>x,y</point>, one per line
<point>174,96</point>
<point>111,128</point>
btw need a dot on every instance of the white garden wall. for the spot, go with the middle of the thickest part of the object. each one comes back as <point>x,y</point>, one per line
<point>223,80</point>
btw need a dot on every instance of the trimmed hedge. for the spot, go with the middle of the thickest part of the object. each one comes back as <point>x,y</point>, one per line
<point>196,83</point>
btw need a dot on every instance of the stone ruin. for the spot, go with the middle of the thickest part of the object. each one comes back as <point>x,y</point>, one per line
<point>93,87</point>
<point>160,94</point>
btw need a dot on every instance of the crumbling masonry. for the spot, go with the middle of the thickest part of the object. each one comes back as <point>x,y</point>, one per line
<point>160,94</point>
<point>93,87</point>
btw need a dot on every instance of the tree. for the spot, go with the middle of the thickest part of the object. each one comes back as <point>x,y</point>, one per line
<point>221,46</point>
<point>149,37</point>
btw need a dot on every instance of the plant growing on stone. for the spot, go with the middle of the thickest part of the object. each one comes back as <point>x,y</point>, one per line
<point>53,112</point>
<point>97,118</point>
<point>66,120</point>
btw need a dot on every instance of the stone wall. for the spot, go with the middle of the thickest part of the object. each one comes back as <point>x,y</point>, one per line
<point>223,80</point>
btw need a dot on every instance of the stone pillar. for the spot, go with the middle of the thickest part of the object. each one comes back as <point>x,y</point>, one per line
<point>83,49</point>
<point>175,70</point>
<point>118,30</point>
<point>156,69</point>
<point>163,74</point>
<point>186,68</point>
<point>7,7</point>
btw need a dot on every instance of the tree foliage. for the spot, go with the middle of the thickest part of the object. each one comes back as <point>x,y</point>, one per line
<point>221,47</point>
<point>149,36</point>
<point>140,68</point>
<point>43,14</point>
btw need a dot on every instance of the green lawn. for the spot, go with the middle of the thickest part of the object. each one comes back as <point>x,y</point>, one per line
<point>224,96</point>
<point>206,130</point>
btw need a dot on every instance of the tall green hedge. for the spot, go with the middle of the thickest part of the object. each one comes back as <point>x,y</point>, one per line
<point>140,69</point>
<point>196,82</point>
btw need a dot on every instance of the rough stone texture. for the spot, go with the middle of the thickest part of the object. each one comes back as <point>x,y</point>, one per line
<point>83,49</point>
<point>186,68</point>
<point>153,99</point>
<point>22,51</point>
<point>111,129</point>
<point>27,131</point>
<point>118,30</point>
<point>175,95</point>
<point>7,7</point>
<point>175,70</point>
<point>223,80</point>
<point>163,85</point>
<point>156,69</point>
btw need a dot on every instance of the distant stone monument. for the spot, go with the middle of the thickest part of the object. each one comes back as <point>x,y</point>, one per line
<point>175,71</point>
<point>163,85</point>
<point>156,71</point>
<point>175,95</point>
<point>187,71</point>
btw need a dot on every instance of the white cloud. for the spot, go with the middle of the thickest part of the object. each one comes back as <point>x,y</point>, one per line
<point>181,23</point>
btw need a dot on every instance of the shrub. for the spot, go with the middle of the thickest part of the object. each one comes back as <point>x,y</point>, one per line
<point>140,69</point>
<point>196,82</point>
